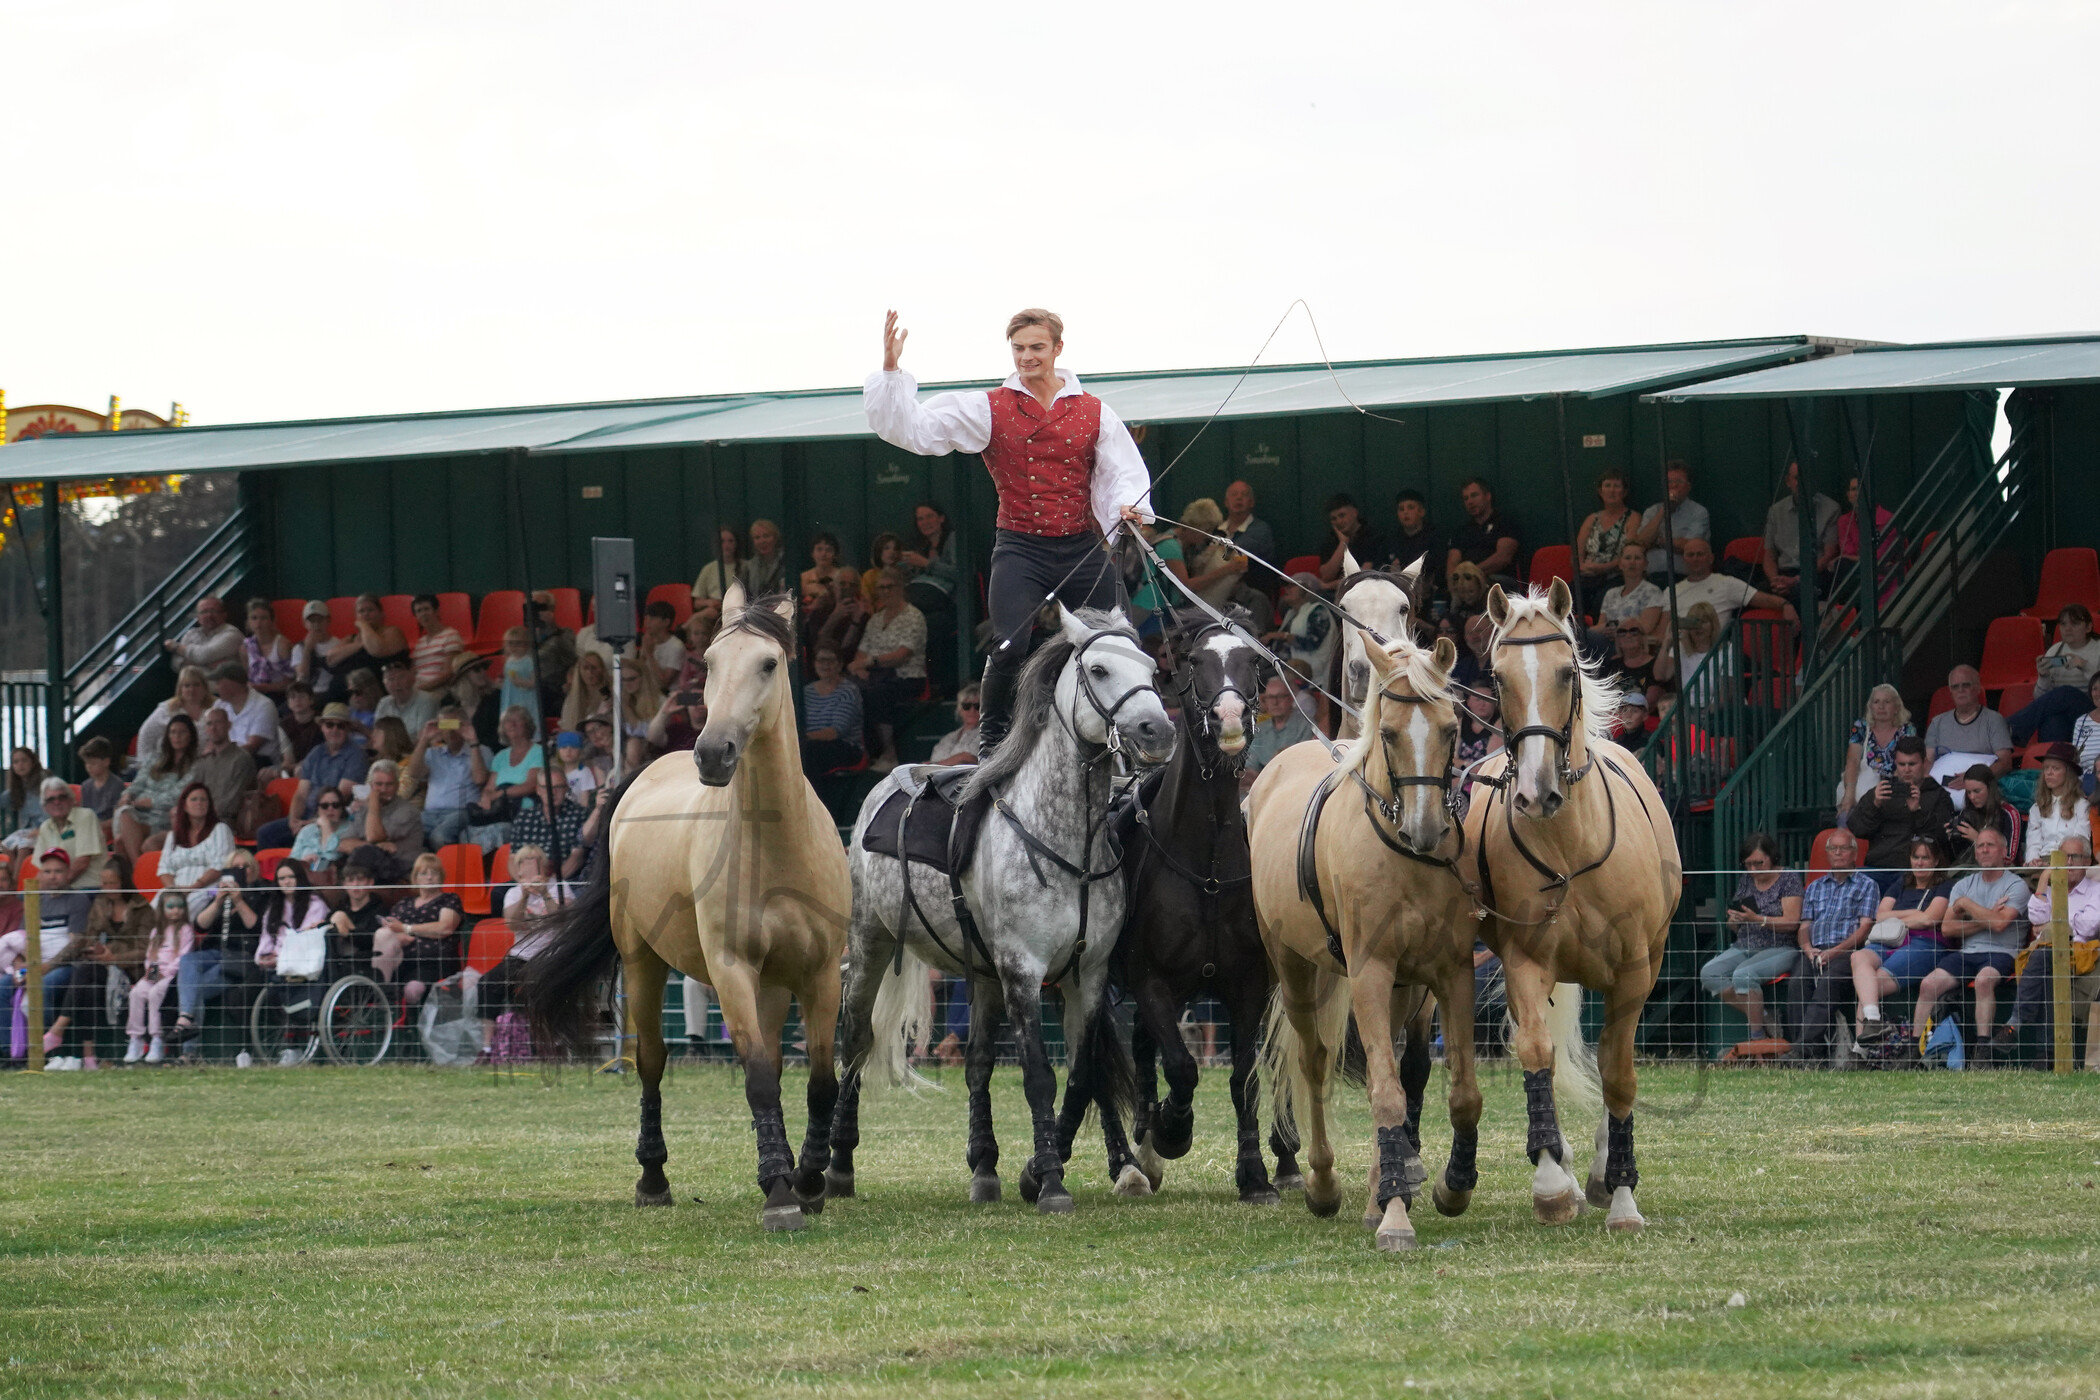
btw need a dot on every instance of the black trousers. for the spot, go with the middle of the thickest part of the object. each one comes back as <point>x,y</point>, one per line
<point>1026,570</point>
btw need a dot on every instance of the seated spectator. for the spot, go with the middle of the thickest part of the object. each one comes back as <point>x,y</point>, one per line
<point>293,905</point>
<point>2063,681</point>
<point>2085,734</point>
<point>1970,733</point>
<point>360,912</point>
<point>218,959</point>
<point>71,829</point>
<point>1353,537</point>
<point>209,642</point>
<point>1485,540</point>
<point>192,697</point>
<point>115,937</point>
<point>310,655</point>
<point>660,650</point>
<point>1726,596</point>
<point>678,724</point>
<point>1899,811</point>
<point>1698,682</point>
<point>168,940</point>
<point>1870,754</point>
<point>1983,807</point>
<point>728,564</point>
<point>365,695</point>
<point>555,648</point>
<point>1280,726</point>
<point>520,688</point>
<point>1603,536</point>
<point>2034,997</point>
<point>1214,570</point>
<point>766,570</point>
<point>403,701</point>
<point>826,567</point>
<point>300,724</point>
<point>251,715</point>
<point>1468,587</point>
<point>337,764</point>
<point>589,689</point>
<point>1782,556</point>
<point>700,630</point>
<point>568,752</point>
<point>555,825</point>
<point>1306,632</point>
<point>102,789</point>
<point>831,725</point>
<point>598,750</point>
<point>1478,733</point>
<point>1415,539</point>
<point>453,770</point>
<point>930,572</point>
<point>1151,605</point>
<point>319,845</point>
<point>1636,665</point>
<point>533,896</point>
<point>385,820</point>
<point>198,847</point>
<point>390,740</point>
<point>1837,910</point>
<point>514,777</point>
<point>1911,913</point>
<point>891,664</point>
<point>1473,670</point>
<point>1765,914</point>
<point>1633,599</point>
<point>227,769</point>
<point>435,651</point>
<point>1838,560</point>
<point>266,653</point>
<point>1985,920</point>
<point>1629,720</point>
<point>885,551</point>
<point>62,918</point>
<point>369,644</point>
<point>2060,809</point>
<point>148,803</point>
<point>418,942</point>
<point>1670,524</point>
<point>960,745</point>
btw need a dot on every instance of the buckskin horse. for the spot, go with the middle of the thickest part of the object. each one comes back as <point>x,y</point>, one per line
<point>1576,858</point>
<point>723,864</point>
<point>1011,881</point>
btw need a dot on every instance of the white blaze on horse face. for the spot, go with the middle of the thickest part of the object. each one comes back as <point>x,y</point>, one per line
<point>1230,709</point>
<point>1533,758</point>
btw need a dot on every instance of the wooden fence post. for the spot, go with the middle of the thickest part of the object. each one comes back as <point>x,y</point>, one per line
<point>2060,958</point>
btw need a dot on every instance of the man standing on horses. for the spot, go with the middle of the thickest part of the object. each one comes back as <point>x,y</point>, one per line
<point>1068,475</point>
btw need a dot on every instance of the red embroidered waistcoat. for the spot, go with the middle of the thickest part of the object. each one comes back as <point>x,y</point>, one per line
<point>1042,461</point>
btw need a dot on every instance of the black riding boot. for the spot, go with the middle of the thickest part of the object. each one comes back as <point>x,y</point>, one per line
<point>997,714</point>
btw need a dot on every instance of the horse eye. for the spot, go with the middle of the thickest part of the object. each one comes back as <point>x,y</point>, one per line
<point>1099,673</point>
<point>1389,735</point>
<point>771,665</point>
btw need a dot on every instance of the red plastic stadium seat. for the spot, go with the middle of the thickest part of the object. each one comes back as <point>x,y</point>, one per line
<point>501,611</point>
<point>1550,562</point>
<point>1305,564</point>
<point>456,610</point>
<point>2032,758</point>
<point>463,877</point>
<point>568,608</point>
<point>2068,576</point>
<point>1819,853</point>
<point>400,612</point>
<point>678,595</point>
<point>1749,549</point>
<point>271,858</point>
<point>488,943</point>
<point>2015,698</point>
<point>290,621</point>
<point>1942,701</point>
<point>146,874</point>
<point>499,870</point>
<point>342,616</point>
<point>2009,650</point>
<point>282,789</point>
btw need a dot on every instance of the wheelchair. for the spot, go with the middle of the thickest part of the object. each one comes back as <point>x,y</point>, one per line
<point>345,1014</point>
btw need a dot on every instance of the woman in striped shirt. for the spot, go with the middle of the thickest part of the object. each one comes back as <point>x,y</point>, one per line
<point>831,735</point>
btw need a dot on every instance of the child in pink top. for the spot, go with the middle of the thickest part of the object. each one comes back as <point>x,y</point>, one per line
<point>172,936</point>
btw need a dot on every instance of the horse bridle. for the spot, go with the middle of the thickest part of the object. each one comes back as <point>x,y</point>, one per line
<point>1563,737</point>
<point>1389,808</point>
<point>1198,711</point>
<point>1113,740</point>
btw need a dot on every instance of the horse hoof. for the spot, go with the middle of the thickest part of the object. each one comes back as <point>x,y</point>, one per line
<point>1396,1241</point>
<point>1374,1216</point>
<point>1625,1217</point>
<point>1323,1209</point>
<point>652,1198</point>
<point>1149,1162</point>
<point>812,1202</point>
<point>1030,1187</point>
<point>1290,1181</point>
<point>1261,1196</point>
<point>1413,1173</point>
<point>1596,1193</point>
<point>1054,1200</point>
<point>838,1185</point>
<point>1452,1203</point>
<point>787,1217</point>
<point>1557,1210</point>
<point>1131,1181</point>
<point>984,1190</point>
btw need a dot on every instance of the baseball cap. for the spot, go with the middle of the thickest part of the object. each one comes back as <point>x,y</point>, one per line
<point>315,607</point>
<point>568,739</point>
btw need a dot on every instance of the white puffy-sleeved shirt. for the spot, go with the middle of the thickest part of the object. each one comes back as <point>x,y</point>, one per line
<point>962,422</point>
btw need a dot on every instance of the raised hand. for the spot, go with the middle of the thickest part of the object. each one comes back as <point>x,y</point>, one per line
<point>893,340</point>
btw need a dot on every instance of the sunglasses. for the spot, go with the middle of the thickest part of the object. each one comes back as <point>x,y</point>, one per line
<point>330,806</point>
<point>969,705</point>
<point>334,724</point>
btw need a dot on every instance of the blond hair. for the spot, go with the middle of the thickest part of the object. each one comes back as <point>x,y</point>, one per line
<point>1036,316</point>
<point>1902,710</point>
<point>430,859</point>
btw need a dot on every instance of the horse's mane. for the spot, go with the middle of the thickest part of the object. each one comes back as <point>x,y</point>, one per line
<point>1599,698</point>
<point>1035,702</point>
<point>759,616</point>
<point>1418,665</point>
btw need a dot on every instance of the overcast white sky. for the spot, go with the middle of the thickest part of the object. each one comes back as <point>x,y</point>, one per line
<point>276,211</point>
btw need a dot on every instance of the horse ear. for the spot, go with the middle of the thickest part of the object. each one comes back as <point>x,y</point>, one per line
<point>1412,574</point>
<point>785,610</point>
<point>1446,654</point>
<point>1560,599</point>
<point>1498,606</point>
<point>1068,622</point>
<point>1349,564</point>
<point>1374,651</point>
<point>733,601</point>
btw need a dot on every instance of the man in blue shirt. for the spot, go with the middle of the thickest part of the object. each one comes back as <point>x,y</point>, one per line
<point>1836,912</point>
<point>453,771</point>
<point>338,761</point>
<point>1279,727</point>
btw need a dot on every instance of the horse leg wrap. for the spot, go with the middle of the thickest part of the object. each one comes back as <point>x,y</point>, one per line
<point>649,1148</point>
<point>1619,1169</point>
<point>1173,1126</point>
<point>1393,1153</point>
<point>1414,1123</point>
<point>1545,1124</point>
<point>1460,1173</point>
<point>774,1159</point>
<point>983,1154</point>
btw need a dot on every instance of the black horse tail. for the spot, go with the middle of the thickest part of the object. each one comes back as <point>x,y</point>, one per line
<point>560,986</point>
<point>1114,1075</point>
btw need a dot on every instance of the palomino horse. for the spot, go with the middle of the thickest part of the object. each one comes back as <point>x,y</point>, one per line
<point>1191,924</point>
<point>1356,896</point>
<point>1038,899</point>
<point>724,865</point>
<point>1578,862</point>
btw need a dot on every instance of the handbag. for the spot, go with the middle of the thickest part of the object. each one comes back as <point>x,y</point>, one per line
<point>303,952</point>
<point>1887,933</point>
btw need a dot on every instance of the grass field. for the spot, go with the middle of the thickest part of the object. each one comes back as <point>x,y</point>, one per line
<point>414,1232</point>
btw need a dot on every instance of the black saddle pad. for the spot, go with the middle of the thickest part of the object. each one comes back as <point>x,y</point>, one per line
<point>936,831</point>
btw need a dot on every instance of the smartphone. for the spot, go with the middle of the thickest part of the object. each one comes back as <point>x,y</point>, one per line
<point>448,724</point>
<point>687,697</point>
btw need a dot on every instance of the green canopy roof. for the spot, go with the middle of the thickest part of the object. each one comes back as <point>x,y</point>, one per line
<point>1174,396</point>
<point>1909,369</point>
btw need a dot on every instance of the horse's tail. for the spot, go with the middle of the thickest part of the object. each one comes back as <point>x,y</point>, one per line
<point>1575,1085</point>
<point>1283,1053</point>
<point>559,989</point>
<point>902,1013</point>
<point>1115,1076</point>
